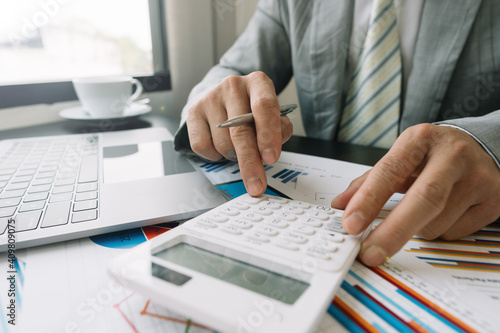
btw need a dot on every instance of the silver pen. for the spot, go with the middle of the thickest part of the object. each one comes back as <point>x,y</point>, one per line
<point>247,118</point>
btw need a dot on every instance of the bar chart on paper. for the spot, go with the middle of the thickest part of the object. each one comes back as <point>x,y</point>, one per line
<point>460,254</point>
<point>286,176</point>
<point>433,286</point>
<point>223,172</point>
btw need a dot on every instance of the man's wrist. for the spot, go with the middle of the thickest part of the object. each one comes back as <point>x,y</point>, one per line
<point>477,139</point>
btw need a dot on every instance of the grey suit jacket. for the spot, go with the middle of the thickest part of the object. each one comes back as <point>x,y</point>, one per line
<point>455,76</point>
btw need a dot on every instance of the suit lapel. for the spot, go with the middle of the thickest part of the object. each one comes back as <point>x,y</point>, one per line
<point>443,31</point>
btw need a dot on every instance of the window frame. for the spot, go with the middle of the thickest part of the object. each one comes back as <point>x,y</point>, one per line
<point>62,91</point>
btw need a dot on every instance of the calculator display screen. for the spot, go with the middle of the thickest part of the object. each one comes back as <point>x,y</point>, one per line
<point>242,274</point>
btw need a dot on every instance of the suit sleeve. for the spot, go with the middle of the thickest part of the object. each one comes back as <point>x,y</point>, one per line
<point>264,46</point>
<point>485,129</point>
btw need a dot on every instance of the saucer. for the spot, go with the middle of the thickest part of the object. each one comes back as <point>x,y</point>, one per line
<point>132,111</point>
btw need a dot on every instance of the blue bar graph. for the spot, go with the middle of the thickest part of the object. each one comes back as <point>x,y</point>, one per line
<point>287,175</point>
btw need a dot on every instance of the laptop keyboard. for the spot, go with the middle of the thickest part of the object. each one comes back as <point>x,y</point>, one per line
<point>49,182</point>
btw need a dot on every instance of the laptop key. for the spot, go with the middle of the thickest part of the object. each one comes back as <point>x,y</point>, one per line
<point>12,194</point>
<point>26,172</point>
<point>61,197</point>
<point>88,169</point>
<point>35,205</point>
<point>40,188</point>
<point>86,215</point>
<point>4,178</point>
<point>85,205</point>
<point>46,174</point>
<point>17,186</point>
<point>64,182</point>
<point>9,202</point>
<point>27,221</point>
<point>36,196</point>
<point>63,189</point>
<point>6,212</point>
<point>42,181</point>
<point>86,187</point>
<point>86,196</point>
<point>21,179</point>
<point>6,171</point>
<point>56,214</point>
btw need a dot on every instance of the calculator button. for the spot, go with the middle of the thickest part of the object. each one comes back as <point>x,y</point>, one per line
<point>327,246</point>
<point>216,217</point>
<point>294,237</point>
<point>252,217</point>
<point>262,210</point>
<point>324,209</point>
<point>312,222</point>
<point>319,215</point>
<point>252,200</point>
<point>294,210</point>
<point>278,200</point>
<point>278,223</point>
<point>229,211</point>
<point>231,230</point>
<point>333,237</point>
<point>304,229</point>
<point>207,223</point>
<point>241,224</point>
<point>286,216</point>
<point>335,227</point>
<point>240,205</point>
<point>286,245</point>
<point>318,253</point>
<point>269,231</point>
<point>338,216</point>
<point>270,205</point>
<point>301,204</point>
<point>258,237</point>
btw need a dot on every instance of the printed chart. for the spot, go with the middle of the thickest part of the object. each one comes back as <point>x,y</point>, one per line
<point>433,286</point>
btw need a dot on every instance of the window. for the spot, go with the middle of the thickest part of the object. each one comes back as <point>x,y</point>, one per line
<point>46,43</point>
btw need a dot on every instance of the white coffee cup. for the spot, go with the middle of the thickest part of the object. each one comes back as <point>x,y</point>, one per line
<point>106,96</point>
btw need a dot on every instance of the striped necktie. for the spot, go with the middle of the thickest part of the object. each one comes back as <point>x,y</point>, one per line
<point>371,113</point>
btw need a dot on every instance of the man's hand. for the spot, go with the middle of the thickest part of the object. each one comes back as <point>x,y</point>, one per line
<point>452,188</point>
<point>250,144</point>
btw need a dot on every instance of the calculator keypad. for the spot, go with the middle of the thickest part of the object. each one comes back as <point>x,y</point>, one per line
<point>281,227</point>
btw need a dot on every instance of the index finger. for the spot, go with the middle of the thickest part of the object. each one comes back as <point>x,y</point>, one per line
<point>265,108</point>
<point>385,178</point>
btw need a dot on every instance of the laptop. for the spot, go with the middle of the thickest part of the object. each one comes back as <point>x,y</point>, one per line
<point>65,187</point>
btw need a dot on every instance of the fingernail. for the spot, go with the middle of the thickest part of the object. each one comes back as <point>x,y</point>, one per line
<point>232,155</point>
<point>373,256</point>
<point>255,186</point>
<point>268,156</point>
<point>354,223</point>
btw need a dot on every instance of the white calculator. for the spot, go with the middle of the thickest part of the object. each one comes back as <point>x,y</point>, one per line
<point>265,264</point>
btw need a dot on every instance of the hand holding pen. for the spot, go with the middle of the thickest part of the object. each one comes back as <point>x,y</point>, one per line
<point>251,98</point>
